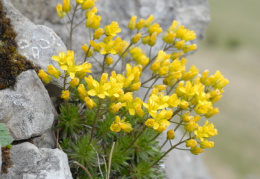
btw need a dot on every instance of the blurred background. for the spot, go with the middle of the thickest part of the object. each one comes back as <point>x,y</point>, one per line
<point>232,45</point>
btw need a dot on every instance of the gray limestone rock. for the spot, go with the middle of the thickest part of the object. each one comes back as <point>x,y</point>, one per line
<point>30,162</point>
<point>180,164</point>
<point>26,109</point>
<point>46,140</point>
<point>36,42</point>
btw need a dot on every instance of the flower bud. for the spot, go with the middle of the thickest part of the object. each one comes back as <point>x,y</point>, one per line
<point>170,134</point>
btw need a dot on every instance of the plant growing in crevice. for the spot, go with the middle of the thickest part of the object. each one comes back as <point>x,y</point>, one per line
<point>104,128</point>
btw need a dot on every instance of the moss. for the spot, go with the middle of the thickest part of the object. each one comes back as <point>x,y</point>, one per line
<point>11,62</point>
<point>6,159</point>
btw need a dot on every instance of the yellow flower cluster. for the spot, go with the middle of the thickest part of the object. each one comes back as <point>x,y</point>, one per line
<point>184,92</point>
<point>63,9</point>
<point>119,125</point>
<point>66,63</point>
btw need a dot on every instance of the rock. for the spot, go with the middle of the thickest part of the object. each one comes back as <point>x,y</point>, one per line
<point>26,109</point>
<point>46,140</point>
<point>33,163</point>
<point>180,164</point>
<point>36,42</point>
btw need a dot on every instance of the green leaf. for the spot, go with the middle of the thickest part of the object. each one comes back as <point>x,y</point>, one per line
<point>5,137</point>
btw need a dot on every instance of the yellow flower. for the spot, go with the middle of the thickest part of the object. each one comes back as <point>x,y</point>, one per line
<point>44,76</point>
<point>64,60</point>
<point>176,55</point>
<point>149,21</point>
<point>109,61</point>
<point>135,86</point>
<point>119,124</point>
<point>83,69</point>
<point>173,100</point>
<point>95,45</point>
<point>88,52</point>
<point>65,94</point>
<point>136,38</point>
<point>205,131</point>
<point>179,45</point>
<point>93,20</point>
<point>155,28</point>
<point>132,22</point>
<point>107,48</point>
<point>113,108</point>
<point>196,150</point>
<point>193,71</point>
<point>139,56</point>
<point>74,82</point>
<point>168,37</point>
<point>79,1</point>
<point>98,89</point>
<point>53,71</point>
<point>149,122</point>
<point>97,34</point>
<point>139,111</point>
<point>89,103</point>
<point>140,24</point>
<point>191,126</point>
<point>191,143</point>
<point>59,11</point>
<point>87,4</point>
<point>170,134</point>
<point>152,40</point>
<point>112,29</point>
<point>206,144</point>
<point>82,91</point>
<point>66,6</point>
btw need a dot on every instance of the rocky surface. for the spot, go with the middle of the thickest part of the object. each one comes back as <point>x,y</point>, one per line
<point>36,42</point>
<point>181,164</point>
<point>26,109</point>
<point>29,162</point>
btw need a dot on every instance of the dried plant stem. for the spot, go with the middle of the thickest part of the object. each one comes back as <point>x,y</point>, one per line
<point>110,159</point>
<point>84,168</point>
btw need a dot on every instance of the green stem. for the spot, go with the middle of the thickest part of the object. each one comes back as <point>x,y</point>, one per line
<point>155,137</point>
<point>150,88</point>
<point>120,57</point>
<point>148,80</point>
<point>155,57</point>
<point>86,55</point>
<point>163,144</point>
<point>103,65</point>
<point>170,149</point>
<point>71,26</point>
<point>143,129</point>
<point>172,87</point>
<point>94,122</point>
